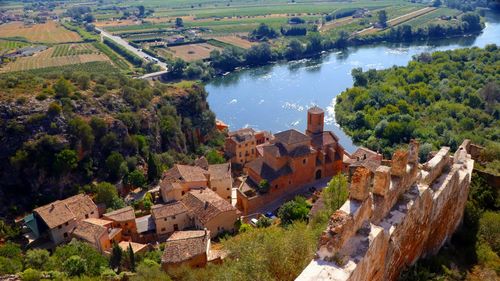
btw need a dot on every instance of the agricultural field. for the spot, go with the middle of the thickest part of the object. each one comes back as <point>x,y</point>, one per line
<point>49,32</point>
<point>65,50</point>
<point>49,58</point>
<point>433,17</point>
<point>192,52</point>
<point>409,16</point>
<point>235,41</point>
<point>10,46</point>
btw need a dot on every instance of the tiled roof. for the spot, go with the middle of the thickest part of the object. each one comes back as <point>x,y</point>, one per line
<point>278,150</point>
<point>99,221</point>
<point>121,215</point>
<point>242,135</point>
<point>184,173</point>
<point>206,204</point>
<point>184,245</point>
<point>361,152</point>
<point>291,136</point>
<point>88,231</point>
<point>260,167</point>
<point>136,247</point>
<point>324,139</point>
<point>168,210</point>
<point>220,171</point>
<point>61,211</point>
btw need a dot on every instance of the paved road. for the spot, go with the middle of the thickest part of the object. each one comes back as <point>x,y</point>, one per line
<point>136,51</point>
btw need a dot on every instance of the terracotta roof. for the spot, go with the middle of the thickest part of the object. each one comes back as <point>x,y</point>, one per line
<point>260,167</point>
<point>136,247</point>
<point>61,211</point>
<point>220,171</point>
<point>315,110</point>
<point>168,210</point>
<point>80,205</point>
<point>88,231</point>
<point>324,139</point>
<point>184,245</point>
<point>291,136</point>
<point>55,214</point>
<point>201,162</point>
<point>184,173</point>
<point>121,215</point>
<point>99,221</point>
<point>241,135</point>
<point>361,152</point>
<point>206,204</point>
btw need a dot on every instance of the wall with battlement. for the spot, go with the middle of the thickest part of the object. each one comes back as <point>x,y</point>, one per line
<point>394,216</point>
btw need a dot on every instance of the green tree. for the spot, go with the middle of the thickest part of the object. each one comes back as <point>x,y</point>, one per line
<point>179,22</point>
<point>154,168</point>
<point>63,88</point>
<point>131,257</point>
<point>336,193</point>
<point>75,266</point>
<point>264,186</point>
<point>294,50</point>
<point>37,259</point>
<point>264,222</point>
<point>116,257</point>
<point>31,274</point>
<point>213,157</point>
<point>81,132</point>
<point>136,178</point>
<point>114,165</point>
<point>382,18</point>
<point>65,161</point>
<point>106,193</point>
<point>149,271</point>
<point>296,209</point>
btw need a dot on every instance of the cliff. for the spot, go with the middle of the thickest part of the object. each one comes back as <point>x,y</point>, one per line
<point>394,216</point>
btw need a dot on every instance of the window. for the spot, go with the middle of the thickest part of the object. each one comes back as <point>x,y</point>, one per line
<point>176,227</point>
<point>165,219</point>
<point>276,186</point>
<point>59,227</point>
<point>173,217</point>
<point>163,229</point>
<point>65,234</point>
<point>246,144</point>
<point>92,212</point>
<point>227,188</point>
<point>252,151</point>
<point>66,223</point>
<point>86,216</point>
<point>240,153</point>
<point>304,161</point>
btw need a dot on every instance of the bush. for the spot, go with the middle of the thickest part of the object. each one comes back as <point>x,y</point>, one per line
<point>36,259</point>
<point>75,266</point>
<point>31,275</point>
<point>297,209</point>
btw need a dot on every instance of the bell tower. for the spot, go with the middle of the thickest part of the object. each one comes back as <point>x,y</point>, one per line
<point>315,121</point>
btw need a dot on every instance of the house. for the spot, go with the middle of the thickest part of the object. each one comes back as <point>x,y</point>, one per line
<point>289,161</point>
<point>123,218</point>
<point>363,157</point>
<point>178,180</point>
<point>170,217</point>
<point>210,211</point>
<point>221,180</point>
<point>241,145</point>
<point>99,233</point>
<point>137,248</point>
<point>186,248</point>
<point>58,219</point>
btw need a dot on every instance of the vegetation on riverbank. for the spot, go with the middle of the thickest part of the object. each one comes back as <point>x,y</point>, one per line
<point>439,98</point>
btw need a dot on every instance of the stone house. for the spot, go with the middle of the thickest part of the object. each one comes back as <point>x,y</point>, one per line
<point>241,145</point>
<point>58,219</point>
<point>171,217</point>
<point>210,211</point>
<point>186,248</point>
<point>123,218</point>
<point>291,160</point>
<point>221,180</point>
<point>99,233</point>
<point>178,180</point>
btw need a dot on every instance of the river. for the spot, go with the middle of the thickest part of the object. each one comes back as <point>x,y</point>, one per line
<point>276,97</point>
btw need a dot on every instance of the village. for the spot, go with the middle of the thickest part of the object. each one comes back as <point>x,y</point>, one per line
<point>195,204</point>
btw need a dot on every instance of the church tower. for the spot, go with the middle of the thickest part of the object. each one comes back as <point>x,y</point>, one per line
<point>315,121</point>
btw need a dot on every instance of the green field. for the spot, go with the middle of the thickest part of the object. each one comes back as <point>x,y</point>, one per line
<point>432,17</point>
<point>8,46</point>
<point>73,50</point>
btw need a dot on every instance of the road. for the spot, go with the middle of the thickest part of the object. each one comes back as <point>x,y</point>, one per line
<point>137,52</point>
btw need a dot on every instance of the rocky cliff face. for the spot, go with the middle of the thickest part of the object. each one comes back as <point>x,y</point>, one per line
<point>405,212</point>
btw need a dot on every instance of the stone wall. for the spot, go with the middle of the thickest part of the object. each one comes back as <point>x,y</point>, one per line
<point>394,216</point>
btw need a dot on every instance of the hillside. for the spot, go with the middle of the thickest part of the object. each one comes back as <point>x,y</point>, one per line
<point>62,129</point>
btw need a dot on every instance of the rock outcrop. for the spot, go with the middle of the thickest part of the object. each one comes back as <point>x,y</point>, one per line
<point>409,212</point>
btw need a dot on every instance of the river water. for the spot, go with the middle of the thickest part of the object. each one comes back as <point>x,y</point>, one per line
<point>276,97</point>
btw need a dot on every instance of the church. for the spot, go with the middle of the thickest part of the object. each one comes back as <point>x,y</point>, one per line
<point>289,161</point>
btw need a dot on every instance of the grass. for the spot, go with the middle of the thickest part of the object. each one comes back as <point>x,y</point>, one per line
<point>117,60</point>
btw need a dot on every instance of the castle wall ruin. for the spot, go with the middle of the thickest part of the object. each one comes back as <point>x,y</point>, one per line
<point>393,217</point>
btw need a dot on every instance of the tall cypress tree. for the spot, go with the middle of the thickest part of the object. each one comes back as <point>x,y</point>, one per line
<point>154,169</point>
<point>131,257</point>
<point>116,257</point>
